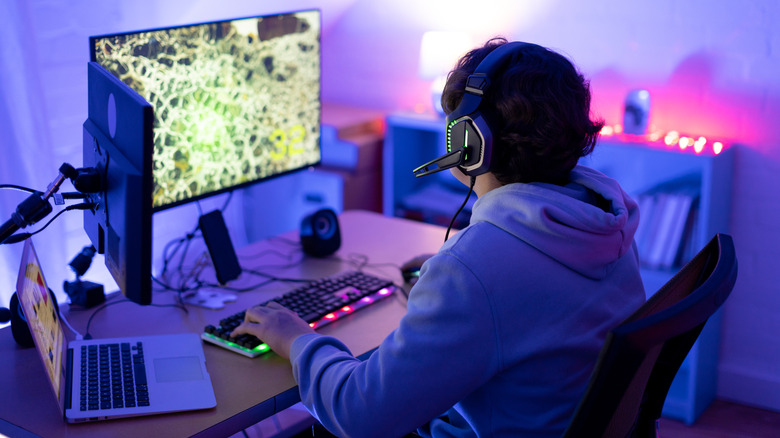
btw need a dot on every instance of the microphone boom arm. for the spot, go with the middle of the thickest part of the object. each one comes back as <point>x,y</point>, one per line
<point>446,161</point>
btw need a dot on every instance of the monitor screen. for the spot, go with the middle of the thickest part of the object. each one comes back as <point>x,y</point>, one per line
<point>235,102</point>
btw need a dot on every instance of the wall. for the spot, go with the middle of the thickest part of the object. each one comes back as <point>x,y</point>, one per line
<point>711,67</point>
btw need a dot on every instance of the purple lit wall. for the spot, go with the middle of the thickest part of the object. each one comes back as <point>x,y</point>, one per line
<point>711,68</point>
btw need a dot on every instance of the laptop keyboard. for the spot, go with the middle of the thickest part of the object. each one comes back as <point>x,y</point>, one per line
<point>113,376</point>
<point>319,303</point>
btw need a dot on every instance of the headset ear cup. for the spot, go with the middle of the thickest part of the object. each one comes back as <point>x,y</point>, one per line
<point>19,327</point>
<point>320,233</point>
<point>472,134</point>
<point>481,150</point>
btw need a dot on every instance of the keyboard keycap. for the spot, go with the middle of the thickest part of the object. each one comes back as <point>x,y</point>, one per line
<point>112,375</point>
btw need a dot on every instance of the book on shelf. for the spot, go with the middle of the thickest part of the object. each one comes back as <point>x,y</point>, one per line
<point>665,226</point>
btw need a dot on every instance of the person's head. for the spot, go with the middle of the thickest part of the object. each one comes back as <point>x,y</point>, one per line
<point>538,109</point>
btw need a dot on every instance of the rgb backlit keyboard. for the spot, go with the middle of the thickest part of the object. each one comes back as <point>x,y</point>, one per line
<point>319,303</point>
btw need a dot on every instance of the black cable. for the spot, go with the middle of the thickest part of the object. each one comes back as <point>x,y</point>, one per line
<point>275,278</point>
<point>251,288</point>
<point>224,206</point>
<point>74,195</point>
<point>17,187</point>
<point>167,258</point>
<point>292,242</point>
<point>89,321</point>
<point>468,195</point>
<point>291,261</point>
<point>184,243</point>
<point>227,201</point>
<point>20,237</point>
<point>403,291</point>
<point>180,268</point>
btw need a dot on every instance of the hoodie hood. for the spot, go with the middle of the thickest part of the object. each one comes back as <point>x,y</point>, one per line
<point>586,225</point>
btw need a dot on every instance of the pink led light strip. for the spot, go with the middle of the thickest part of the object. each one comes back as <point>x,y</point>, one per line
<point>348,309</point>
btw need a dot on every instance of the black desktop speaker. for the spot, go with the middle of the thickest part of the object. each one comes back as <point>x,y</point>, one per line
<point>320,235</point>
<point>469,138</point>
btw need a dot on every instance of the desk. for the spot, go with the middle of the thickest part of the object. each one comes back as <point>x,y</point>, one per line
<point>247,390</point>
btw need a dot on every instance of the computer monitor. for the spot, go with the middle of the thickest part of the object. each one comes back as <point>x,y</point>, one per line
<point>235,101</point>
<point>118,141</point>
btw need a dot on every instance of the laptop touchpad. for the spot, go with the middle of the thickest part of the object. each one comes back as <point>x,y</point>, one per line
<point>177,369</point>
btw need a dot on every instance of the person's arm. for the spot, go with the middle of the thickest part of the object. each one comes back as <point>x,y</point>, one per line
<point>445,348</point>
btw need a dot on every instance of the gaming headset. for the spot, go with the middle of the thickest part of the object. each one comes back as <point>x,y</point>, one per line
<point>469,139</point>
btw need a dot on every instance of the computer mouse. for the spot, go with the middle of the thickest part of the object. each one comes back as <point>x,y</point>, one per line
<point>411,274</point>
<point>410,271</point>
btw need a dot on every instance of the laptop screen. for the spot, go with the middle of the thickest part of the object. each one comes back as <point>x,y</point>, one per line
<point>41,312</point>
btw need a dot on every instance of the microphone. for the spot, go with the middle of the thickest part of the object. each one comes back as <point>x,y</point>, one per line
<point>446,161</point>
<point>36,206</point>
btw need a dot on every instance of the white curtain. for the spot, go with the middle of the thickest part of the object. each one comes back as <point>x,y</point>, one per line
<point>25,146</point>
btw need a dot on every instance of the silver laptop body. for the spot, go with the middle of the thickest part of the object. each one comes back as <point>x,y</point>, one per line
<point>142,375</point>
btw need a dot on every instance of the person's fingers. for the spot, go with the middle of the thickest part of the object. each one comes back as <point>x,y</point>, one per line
<point>244,328</point>
<point>275,305</point>
<point>255,314</point>
<point>253,318</point>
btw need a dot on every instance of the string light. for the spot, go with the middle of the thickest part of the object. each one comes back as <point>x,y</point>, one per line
<point>699,144</point>
<point>671,139</point>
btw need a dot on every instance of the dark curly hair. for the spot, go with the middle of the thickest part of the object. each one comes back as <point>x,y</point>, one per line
<point>538,108</point>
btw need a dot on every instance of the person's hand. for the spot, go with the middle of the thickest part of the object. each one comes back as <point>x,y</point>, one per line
<point>275,325</point>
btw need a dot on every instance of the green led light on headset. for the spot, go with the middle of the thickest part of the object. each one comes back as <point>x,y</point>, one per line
<point>465,138</point>
<point>449,135</point>
<point>465,143</point>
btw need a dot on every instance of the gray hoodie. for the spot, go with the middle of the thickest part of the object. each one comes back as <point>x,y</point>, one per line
<point>503,327</point>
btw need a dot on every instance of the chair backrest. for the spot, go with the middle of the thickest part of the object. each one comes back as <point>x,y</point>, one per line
<point>641,356</point>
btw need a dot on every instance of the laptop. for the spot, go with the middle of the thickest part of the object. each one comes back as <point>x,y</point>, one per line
<point>102,379</point>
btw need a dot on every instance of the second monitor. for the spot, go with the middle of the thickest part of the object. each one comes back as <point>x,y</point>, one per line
<point>219,105</point>
<point>235,101</point>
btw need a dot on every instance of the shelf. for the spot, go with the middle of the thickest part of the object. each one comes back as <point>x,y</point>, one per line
<point>641,168</point>
<point>410,141</point>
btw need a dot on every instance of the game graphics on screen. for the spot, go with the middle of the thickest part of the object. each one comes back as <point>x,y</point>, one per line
<point>234,101</point>
<point>45,327</point>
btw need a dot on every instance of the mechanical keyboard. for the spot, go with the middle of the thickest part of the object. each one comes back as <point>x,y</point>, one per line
<point>319,302</point>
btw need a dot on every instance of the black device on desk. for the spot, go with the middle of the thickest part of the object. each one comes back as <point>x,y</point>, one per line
<point>318,303</point>
<point>220,247</point>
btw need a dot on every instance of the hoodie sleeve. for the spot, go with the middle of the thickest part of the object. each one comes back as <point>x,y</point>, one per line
<point>446,346</point>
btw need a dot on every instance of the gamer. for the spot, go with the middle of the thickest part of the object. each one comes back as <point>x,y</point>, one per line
<point>505,323</point>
